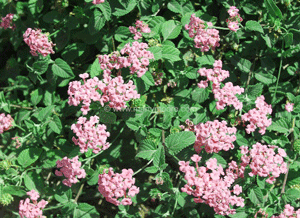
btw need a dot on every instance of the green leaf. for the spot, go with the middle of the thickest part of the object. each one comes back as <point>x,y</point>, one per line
<point>61,198</point>
<point>133,125</point>
<point>255,90</point>
<point>254,26</point>
<point>256,196</point>
<point>96,22</point>
<point>282,125</point>
<point>243,65</point>
<point>148,78</point>
<point>73,51</point>
<point>178,141</point>
<point>14,190</point>
<point>288,39</point>
<point>36,96</point>
<point>265,78</point>
<point>95,68</point>
<point>122,34</point>
<point>40,67</point>
<point>183,7</point>
<point>56,125</point>
<point>170,53</point>
<point>29,183</point>
<point>106,10</point>
<point>147,149</point>
<point>171,29</point>
<point>152,169</point>
<point>156,51</point>
<point>61,69</point>
<point>29,156</point>
<point>35,6</point>
<point>200,95</point>
<point>107,117</point>
<point>45,113</point>
<point>273,9</point>
<point>292,194</point>
<point>159,157</point>
<point>52,17</point>
<point>85,210</point>
<point>124,7</point>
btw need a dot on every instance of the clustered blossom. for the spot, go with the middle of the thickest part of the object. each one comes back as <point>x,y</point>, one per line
<point>34,209</point>
<point>96,2</point>
<point>139,25</point>
<point>258,116</point>
<point>70,168</point>
<point>225,95</point>
<point>264,162</point>
<point>158,77</point>
<point>137,59</point>
<point>288,212</point>
<point>214,136</point>
<point>112,90</point>
<point>210,185</point>
<point>7,22</point>
<point>234,19</point>
<point>172,84</point>
<point>204,37</point>
<point>38,42</point>
<point>114,186</point>
<point>5,122</point>
<point>89,135</point>
<point>289,107</point>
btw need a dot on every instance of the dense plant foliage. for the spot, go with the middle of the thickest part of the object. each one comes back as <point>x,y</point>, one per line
<point>149,108</point>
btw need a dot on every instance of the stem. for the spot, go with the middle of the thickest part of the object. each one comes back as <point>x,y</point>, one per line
<point>285,179</point>
<point>279,72</point>
<point>54,33</point>
<point>136,172</point>
<point>54,207</point>
<point>220,28</point>
<point>79,192</point>
<point>18,106</point>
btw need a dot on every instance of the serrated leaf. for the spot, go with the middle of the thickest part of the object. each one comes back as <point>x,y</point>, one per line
<point>243,65</point>
<point>106,9</point>
<point>55,125</point>
<point>282,125</point>
<point>156,51</point>
<point>124,7</point>
<point>254,26</point>
<point>159,157</point>
<point>61,69</point>
<point>133,125</point>
<point>288,39</point>
<point>265,78</point>
<point>147,149</point>
<point>220,160</point>
<point>292,194</point>
<point>183,7</point>
<point>29,183</point>
<point>29,156</point>
<point>256,196</point>
<point>45,112</point>
<point>148,78</point>
<point>96,22</point>
<point>178,141</point>
<point>255,90</point>
<point>36,96</point>
<point>85,210</point>
<point>171,29</point>
<point>152,169</point>
<point>170,53</point>
<point>122,34</point>
<point>200,95</point>
<point>73,51</point>
<point>14,190</point>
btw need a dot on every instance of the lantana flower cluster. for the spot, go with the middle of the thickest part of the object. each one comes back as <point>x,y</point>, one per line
<point>139,25</point>
<point>5,122</point>
<point>70,168</point>
<point>112,90</point>
<point>38,42</point>
<point>234,19</point>
<point>96,2</point>
<point>258,116</point>
<point>89,135</point>
<point>34,209</point>
<point>226,94</point>
<point>211,186</point>
<point>264,162</point>
<point>214,136</point>
<point>288,212</point>
<point>7,22</point>
<point>289,107</point>
<point>137,59</point>
<point>116,186</point>
<point>205,38</point>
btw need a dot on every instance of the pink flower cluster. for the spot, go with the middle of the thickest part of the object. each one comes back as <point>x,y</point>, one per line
<point>137,59</point>
<point>5,122</point>
<point>288,212</point>
<point>158,77</point>
<point>264,162</point>
<point>7,22</point>
<point>96,2</point>
<point>114,186</point>
<point>214,136</point>
<point>139,25</point>
<point>34,209</point>
<point>225,95</point>
<point>289,107</point>
<point>89,135</point>
<point>70,168</point>
<point>38,42</point>
<point>211,186</point>
<point>204,37</point>
<point>258,116</point>
<point>112,90</point>
<point>234,19</point>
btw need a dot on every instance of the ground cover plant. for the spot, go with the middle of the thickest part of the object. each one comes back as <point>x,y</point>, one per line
<point>149,108</point>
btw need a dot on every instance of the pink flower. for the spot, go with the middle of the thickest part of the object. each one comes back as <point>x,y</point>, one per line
<point>234,19</point>
<point>233,11</point>
<point>32,210</point>
<point>289,107</point>
<point>7,22</point>
<point>38,42</point>
<point>96,2</point>
<point>139,25</point>
<point>6,122</point>
<point>70,168</point>
<point>114,186</point>
<point>234,26</point>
